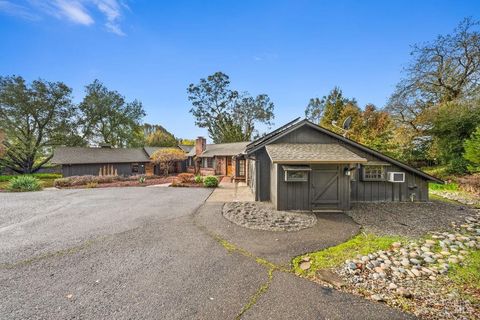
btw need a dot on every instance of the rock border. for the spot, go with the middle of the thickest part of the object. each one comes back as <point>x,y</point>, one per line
<point>260,216</point>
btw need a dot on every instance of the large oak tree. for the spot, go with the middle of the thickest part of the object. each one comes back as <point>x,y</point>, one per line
<point>228,115</point>
<point>106,117</point>
<point>34,118</point>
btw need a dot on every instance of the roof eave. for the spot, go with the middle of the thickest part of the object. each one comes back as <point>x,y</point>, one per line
<point>350,142</point>
<point>319,161</point>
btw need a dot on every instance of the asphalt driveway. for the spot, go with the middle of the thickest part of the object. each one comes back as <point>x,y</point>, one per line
<point>138,253</point>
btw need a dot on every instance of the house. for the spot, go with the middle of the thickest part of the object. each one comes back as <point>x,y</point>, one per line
<point>225,159</point>
<point>105,160</point>
<point>302,166</point>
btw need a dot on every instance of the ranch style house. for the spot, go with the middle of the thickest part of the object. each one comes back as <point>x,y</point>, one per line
<point>299,166</point>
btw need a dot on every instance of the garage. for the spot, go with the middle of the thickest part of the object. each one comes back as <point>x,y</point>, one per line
<point>302,166</point>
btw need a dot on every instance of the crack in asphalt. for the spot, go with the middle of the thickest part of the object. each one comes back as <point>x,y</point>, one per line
<point>231,248</point>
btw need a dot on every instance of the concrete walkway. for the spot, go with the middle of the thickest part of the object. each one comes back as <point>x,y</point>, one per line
<point>231,192</point>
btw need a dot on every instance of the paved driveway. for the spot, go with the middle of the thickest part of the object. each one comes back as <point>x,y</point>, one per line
<point>137,253</point>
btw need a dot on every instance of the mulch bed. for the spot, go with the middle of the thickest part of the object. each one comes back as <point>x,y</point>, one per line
<point>128,183</point>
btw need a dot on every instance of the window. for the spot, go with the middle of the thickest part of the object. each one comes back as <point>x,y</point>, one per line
<point>134,167</point>
<point>373,173</point>
<point>208,163</point>
<point>296,176</point>
<point>190,161</point>
<point>296,173</point>
<point>241,168</point>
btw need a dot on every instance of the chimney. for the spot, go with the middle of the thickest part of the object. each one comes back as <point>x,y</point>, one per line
<point>200,145</point>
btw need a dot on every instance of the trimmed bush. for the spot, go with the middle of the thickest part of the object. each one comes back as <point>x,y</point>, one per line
<point>91,185</point>
<point>210,182</point>
<point>186,177</point>
<point>24,183</point>
<point>84,180</point>
<point>198,179</point>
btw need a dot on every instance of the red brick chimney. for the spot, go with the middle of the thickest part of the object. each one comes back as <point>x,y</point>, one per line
<point>200,145</point>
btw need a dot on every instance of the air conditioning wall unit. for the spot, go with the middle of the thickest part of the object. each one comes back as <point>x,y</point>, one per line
<point>396,177</point>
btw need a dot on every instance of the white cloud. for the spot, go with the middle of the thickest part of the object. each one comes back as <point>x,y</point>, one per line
<point>112,11</point>
<point>74,11</point>
<point>17,10</point>
<point>83,12</point>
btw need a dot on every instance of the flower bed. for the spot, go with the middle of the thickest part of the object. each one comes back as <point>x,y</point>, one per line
<point>110,181</point>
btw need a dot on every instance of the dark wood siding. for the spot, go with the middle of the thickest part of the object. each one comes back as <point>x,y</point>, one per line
<point>123,169</point>
<point>292,195</point>
<point>367,191</point>
<point>262,165</point>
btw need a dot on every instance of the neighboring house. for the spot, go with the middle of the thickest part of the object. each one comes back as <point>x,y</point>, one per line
<point>225,159</point>
<point>105,160</point>
<point>302,166</point>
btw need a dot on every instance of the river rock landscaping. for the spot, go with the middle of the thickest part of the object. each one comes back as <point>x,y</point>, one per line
<point>460,197</point>
<point>261,216</point>
<point>413,275</point>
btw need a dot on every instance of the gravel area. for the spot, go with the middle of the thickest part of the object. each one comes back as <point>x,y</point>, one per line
<point>414,275</point>
<point>406,218</point>
<point>261,216</point>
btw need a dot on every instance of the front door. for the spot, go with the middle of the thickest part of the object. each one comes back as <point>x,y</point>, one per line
<point>326,187</point>
<point>229,166</point>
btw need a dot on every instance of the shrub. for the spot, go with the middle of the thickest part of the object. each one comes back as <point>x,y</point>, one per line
<point>41,176</point>
<point>186,177</point>
<point>84,180</point>
<point>457,166</point>
<point>91,185</point>
<point>210,182</point>
<point>470,183</point>
<point>141,179</point>
<point>198,179</point>
<point>472,150</point>
<point>24,183</point>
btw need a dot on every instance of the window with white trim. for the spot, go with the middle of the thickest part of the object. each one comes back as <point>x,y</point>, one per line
<point>373,173</point>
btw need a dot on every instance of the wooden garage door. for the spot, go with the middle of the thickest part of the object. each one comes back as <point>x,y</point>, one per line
<point>325,188</point>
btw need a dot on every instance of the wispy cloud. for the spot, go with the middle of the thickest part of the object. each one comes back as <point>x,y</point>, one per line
<point>13,9</point>
<point>112,11</point>
<point>74,11</point>
<point>83,12</point>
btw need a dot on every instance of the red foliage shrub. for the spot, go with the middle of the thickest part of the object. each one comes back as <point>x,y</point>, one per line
<point>470,183</point>
<point>186,178</point>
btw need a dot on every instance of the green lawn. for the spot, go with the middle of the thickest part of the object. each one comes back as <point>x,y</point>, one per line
<point>335,256</point>
<point>467,277</point>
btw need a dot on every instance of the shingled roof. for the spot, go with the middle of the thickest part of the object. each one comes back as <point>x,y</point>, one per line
<point>311,153</point>
<point>224,149</point>
<point>78,155</point>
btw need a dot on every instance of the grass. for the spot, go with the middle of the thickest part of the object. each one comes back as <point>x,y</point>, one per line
<point>335,256</point>
<point>439,171</point>
<point>466,277</point>
<point>443,187</point>
<point>468,274</point>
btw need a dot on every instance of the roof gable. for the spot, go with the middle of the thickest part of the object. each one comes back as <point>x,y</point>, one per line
<point>295,126</point>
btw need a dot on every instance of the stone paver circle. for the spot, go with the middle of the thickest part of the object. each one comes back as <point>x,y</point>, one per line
<point>259,216</point>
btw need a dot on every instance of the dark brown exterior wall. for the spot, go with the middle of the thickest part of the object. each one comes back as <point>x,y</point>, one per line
<point>360,191</point>
<point>123,169</point>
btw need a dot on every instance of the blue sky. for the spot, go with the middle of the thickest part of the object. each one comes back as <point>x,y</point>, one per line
<point>152,50</point>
